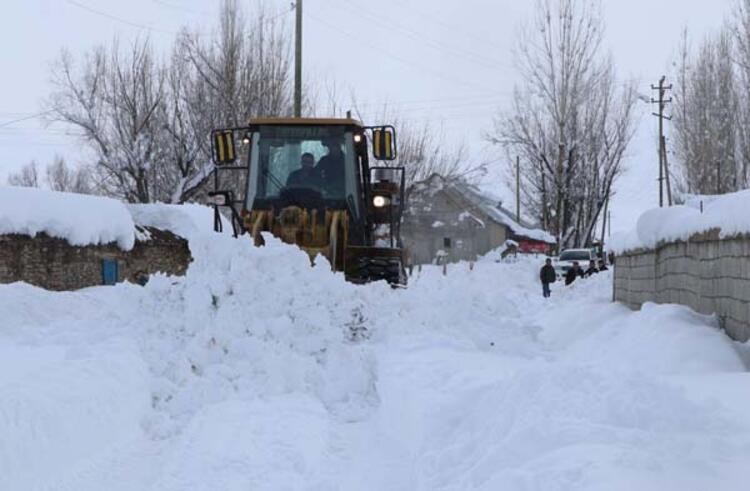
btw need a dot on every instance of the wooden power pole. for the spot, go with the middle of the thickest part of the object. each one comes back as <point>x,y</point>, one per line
<point>518,189</point>
<point>663,170</point>
<point>298,60</point>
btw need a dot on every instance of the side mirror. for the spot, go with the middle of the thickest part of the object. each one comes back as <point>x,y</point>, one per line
<point>384,143</point>
<point>223,148</point>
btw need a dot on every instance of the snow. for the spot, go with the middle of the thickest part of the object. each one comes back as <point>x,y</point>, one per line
<point>437,224</point>
<point>257,371</point>
<point>678,223</point>
<point>79,219</point>
<point>188,220</point>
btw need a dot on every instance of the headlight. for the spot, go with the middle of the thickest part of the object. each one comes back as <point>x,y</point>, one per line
<point>379,201</point>
<point>218,200</point>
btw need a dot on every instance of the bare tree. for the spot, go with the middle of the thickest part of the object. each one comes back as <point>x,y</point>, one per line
<point>61,177</point>
<point>422,148</point>
<point>709,136</point>
<point>114,100</point>
<point>27,176</point>
<point>241,71</point>
<point>148,124</point>
<point>570,122</point>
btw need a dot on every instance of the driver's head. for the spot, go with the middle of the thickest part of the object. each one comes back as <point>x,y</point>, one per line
<point>333,145</point>
<point>307,159</point>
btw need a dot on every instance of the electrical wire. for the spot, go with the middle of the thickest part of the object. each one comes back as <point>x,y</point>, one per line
<point>118,19</point>
<point>411,64</point>
<point>442,48</point>
<point>26,118</point>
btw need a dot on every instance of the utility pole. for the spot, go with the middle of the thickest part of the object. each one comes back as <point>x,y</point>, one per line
<point>298,60</point>
<point>718,177</point>
<point>666,169</point>
<point>662,150</point>
<point>518,189</point>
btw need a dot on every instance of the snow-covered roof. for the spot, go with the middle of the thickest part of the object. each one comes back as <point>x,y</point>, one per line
<point>727,213</point>
<point>79,219</point>
<point>84,220</point>
<point>490,206</point>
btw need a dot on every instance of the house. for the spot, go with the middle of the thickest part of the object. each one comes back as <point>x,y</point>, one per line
<point>70,241</point>
<point>456,220</point>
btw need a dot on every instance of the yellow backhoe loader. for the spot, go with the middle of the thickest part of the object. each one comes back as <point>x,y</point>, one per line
<point>309,182</point>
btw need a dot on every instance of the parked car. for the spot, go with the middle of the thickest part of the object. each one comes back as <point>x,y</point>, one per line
<point>568,256</point>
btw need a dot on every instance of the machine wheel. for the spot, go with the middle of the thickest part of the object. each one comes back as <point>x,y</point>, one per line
<point>368,269</point>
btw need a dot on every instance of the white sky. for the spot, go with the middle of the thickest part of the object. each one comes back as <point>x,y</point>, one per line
<point>449,61</point>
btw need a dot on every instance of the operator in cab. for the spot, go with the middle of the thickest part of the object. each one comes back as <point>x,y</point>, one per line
<point>305,176</point>
<point>330,168</point>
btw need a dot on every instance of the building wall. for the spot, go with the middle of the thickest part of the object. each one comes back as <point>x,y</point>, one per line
<point>708,274</point>
<point>52,263</point>
<point>434,217</point>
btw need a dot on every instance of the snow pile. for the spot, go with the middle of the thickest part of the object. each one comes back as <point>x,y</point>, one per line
<point>496,254</point>
<point>79,219</point>
<point>258,371</point>
<point>726,213</point>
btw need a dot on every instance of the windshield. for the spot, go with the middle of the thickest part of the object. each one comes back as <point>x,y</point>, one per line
<point>317,159</point>
<point>575,256</point>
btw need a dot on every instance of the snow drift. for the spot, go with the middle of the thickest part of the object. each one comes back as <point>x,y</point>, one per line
<point>258,371</point>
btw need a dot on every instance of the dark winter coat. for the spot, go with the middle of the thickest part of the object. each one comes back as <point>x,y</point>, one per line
<point>547,274</point>
<point>304,177</point>
<point>572,274</point>
<point>590,272</point>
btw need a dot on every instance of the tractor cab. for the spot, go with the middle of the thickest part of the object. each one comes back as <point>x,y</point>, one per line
<point>309,182</point>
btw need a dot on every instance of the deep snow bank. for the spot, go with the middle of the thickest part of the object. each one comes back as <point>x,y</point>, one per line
<point>258,371</point>
<point>79,219</point>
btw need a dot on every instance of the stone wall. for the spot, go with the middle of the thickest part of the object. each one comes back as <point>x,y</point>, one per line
<point>706,273</point>
<point>52,263</point>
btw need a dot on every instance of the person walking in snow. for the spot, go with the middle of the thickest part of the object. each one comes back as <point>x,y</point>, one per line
<point>574,272</point>
<point>547,275</point>
<point>603,265</point>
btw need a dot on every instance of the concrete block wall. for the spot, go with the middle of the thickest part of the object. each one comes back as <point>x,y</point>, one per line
<point>707,273</point>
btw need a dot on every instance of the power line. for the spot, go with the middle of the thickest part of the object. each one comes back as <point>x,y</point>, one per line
<point>118,19</point>
<point>26,118</point>
<point>442,48</point>
<point>425,15</point>
<point>379,49</point>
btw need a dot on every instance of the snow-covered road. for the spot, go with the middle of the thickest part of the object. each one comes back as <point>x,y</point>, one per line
<point>258,372</point>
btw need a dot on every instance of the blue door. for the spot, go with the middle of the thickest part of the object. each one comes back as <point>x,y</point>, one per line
<point>110,271</point>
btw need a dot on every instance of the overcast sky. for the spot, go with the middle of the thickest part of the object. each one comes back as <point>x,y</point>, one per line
<point>448,61</point>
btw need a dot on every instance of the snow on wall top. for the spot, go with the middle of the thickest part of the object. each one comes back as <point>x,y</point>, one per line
<point>79,219</point>
<point>188,220</point>
<point>728,213</point>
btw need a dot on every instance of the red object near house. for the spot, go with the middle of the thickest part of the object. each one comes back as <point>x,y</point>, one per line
<point>533,247</point>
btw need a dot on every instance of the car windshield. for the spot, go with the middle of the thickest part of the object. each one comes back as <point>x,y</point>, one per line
<point>293,157</point>
<point>575,256</point>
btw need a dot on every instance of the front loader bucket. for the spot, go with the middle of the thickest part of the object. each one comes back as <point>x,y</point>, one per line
<point>367,264</point>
